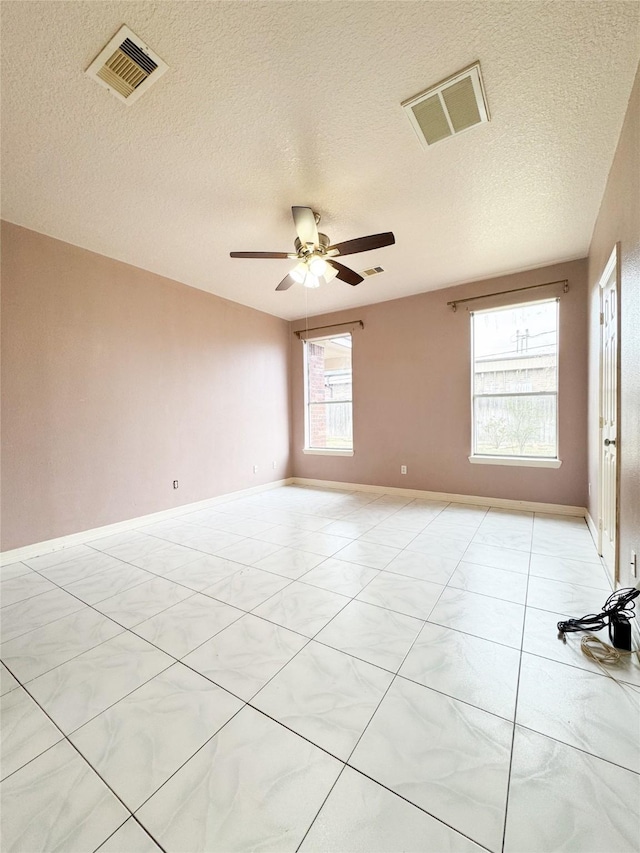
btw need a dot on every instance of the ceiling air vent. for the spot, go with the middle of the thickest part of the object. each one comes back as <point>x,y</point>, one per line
<point>453,106</point>
<point>126,66</point>
<point>372,271</point>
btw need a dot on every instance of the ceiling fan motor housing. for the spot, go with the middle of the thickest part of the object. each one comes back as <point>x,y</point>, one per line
<point>321,248</point>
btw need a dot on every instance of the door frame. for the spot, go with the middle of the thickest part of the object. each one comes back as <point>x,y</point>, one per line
<point>612,266</point>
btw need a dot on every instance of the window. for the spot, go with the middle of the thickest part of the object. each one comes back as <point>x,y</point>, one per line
<point>328,398</point>
<point>515,381</point>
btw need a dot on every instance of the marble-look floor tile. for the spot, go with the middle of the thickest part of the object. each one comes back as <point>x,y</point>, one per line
<point>129,838</point>
<point>248,551</point>
<point>585,710</point>
<point>103,585</point>
<point>480,615</point>
<point>138,743</point>
<point>435,545</point>
<point>515,540</point>
<point>279,783</point>
<point>247,588</point>
<point>586,804</point>
<point>25,616</point>
<point>302,608</point>
<point>373,634</point>
<point>26,586</point>
<point>180,629</point>
<point>279,534</point>
<point>570,571</point>
<point>349,529</point>
<point>244,656</point>
<point>75,809</point>
<point>80,568</point>
<point>62,555</point>
<point>361,816</point>
<point>35,653</point>
<point>562,597</point>
<point>382,534</point>
<point>541,638</point>
<point>14,570</point>
<point>26,731</point>
<point>423,567</point>
<point>340,576</point>
<point>290,562</point>
<point>498,583</point>
<point>406,595</point>
<point>476,671</point>
<point>203,571</point>
<point>7,681</point>
<point>368,554</point>
<point>163,560</point>
<point>564,545</point>
<point>80,689</point>
<point>326,696</point>
<point>497,558</point>
<point>324,544</point>
<point>134,547</point>
<point>443,755</point>
<point>142,601</point>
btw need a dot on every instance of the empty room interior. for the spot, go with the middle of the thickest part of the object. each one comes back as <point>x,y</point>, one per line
<point>320,465</point>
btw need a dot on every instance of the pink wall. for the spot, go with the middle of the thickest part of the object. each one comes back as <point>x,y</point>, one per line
<point>619,221</point>
<point>116,381</point>
<point>411,392</point>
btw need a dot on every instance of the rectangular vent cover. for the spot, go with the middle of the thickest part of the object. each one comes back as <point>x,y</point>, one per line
<point>453,106</point>
<point>372,271</point>
<point>126,66</point>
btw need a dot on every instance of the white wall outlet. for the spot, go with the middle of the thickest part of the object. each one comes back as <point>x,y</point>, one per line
<point>403,469</point>
<point>634,564</point>
<point>273,464</point>
<point>175,484</point>
<point>255,469</point>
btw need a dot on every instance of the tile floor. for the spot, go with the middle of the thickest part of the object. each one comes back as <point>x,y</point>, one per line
<point>316,670</point>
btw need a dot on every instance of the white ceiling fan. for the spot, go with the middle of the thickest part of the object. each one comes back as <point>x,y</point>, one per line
<point>316,256</point>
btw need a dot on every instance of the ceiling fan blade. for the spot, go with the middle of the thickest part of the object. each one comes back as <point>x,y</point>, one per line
<point>305,221</point>
<point>345,274</point>
<point>364,244</point>
<point>286,283</point>
<point>259,254</point>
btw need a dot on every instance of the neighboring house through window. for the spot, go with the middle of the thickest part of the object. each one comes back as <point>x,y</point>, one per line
<point>515,381</point>
<point>328,394</point>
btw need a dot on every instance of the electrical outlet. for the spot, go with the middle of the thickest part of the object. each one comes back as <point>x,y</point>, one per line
<point>634,564</point>
<point>273,464</point>
<point>255,469</point>
<point>175,484</point>
<point>403,469</point>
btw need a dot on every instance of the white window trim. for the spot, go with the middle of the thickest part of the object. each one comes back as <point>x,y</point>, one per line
<point>519,461</point>
<point>319,451</point>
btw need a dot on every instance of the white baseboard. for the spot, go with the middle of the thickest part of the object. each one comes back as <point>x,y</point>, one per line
<point>593,529</point>
<point>27,552</point>
<point>501,503</point>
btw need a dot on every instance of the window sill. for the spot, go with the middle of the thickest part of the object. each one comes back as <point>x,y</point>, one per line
<point>312,451</point>
<point>515,460</point>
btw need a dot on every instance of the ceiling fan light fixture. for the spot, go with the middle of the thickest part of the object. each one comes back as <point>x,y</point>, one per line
<point>317,266</point>
<point>299,273</point>
<point>311,280</point>
<point>330,273</point>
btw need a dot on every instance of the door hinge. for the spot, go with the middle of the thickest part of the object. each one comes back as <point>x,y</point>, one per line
<point>599,524</point>
<point>601,319</point>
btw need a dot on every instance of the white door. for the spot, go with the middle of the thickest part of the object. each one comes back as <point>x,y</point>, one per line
<point>608,414</point>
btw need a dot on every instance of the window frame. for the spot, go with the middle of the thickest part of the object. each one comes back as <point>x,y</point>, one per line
<point>307,448</point>
<point>515,459</point>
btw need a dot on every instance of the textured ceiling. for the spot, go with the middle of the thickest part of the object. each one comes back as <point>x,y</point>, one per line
<point>272,104</point>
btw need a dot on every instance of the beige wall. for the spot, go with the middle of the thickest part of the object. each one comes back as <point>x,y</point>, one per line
<point>116,381</point>
<point>619,221</point>
<point>411,392</point>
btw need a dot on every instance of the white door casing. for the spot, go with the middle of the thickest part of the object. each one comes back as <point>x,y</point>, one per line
<point>608,432</point>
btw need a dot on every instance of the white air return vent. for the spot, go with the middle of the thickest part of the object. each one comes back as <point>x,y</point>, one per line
<point>126,66</point>
<point>372,271</point>
<point>453,106</point>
